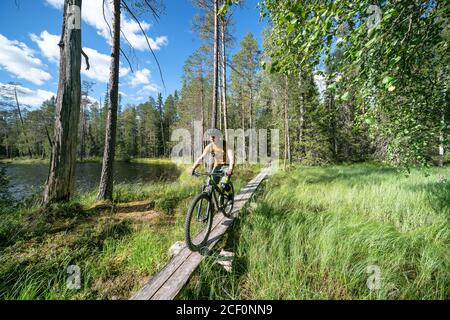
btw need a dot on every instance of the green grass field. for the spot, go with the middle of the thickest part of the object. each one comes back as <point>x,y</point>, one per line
<point>117,247</point>
<point>342,232</point>
<point>311,233</point>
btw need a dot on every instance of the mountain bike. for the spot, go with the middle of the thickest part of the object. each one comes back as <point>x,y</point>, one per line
<point>215,196</point>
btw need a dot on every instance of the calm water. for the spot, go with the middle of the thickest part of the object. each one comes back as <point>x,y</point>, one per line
<point>28,179</point>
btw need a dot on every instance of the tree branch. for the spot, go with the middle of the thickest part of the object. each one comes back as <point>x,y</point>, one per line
<point>148,41</point>
<point>86,58</point>
<point>155,13</point>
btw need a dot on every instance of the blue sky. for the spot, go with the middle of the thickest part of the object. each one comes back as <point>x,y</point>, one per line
<point>29,54</point>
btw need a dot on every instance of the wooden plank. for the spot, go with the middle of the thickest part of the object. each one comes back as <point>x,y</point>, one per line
<point>167,283</point>
<point>164,274</point>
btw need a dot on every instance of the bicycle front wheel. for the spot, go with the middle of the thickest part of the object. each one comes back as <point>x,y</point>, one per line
<point>198,222</point>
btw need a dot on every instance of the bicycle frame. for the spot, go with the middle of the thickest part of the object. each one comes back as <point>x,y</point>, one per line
<point>211,188</point>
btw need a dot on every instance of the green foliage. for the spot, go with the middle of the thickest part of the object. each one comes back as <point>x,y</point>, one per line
<point>5,195</point>
<point>327,228</point>
<point>393,57</point>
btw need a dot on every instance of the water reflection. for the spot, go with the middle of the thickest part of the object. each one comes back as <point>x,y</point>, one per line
<point>28,179</point>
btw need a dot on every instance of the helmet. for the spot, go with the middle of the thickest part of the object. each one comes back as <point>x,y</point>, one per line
<point>216,133</point>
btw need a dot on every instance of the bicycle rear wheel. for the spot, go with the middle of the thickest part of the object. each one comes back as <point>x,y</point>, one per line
<point>198,222</point>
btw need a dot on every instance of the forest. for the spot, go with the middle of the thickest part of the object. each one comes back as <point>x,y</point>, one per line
<point>359,93</point>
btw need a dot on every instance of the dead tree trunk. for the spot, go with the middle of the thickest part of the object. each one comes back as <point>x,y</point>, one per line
<point>61,179</point>
<point>106,180</point>
<point>30,153</point>
<point>216,66</point>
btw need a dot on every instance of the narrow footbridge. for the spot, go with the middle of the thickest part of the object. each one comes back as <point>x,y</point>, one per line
<point>167,283</point>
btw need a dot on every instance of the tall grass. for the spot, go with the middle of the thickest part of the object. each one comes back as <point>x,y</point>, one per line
<point>342,232</point>
<point>115,254</point>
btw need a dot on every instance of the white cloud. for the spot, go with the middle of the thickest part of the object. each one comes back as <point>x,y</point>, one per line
<point>99,64</point>
<point>48,44</point>
<point>150,88</point>
<point>134,35</point>
<point>18,59</point>
<point>141,77</point>
<point>58,4</point>
<point>92,14</point>
<point>320,83</point>
<point>27,96</point>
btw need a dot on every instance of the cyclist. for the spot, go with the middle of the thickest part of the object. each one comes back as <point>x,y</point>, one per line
<point>216,148</point>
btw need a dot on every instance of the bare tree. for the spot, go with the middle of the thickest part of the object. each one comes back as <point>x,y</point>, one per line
<point>216,66</point>
<point>106,181</point>
<point>61,179</point>
<point>85,101</point>
<point>107,176</point>
<point>9,94</point>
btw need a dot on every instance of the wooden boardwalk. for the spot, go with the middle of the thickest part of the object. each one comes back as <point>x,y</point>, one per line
<point>168,282</point>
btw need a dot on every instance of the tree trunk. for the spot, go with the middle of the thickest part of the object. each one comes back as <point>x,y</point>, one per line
<point>30,153</point>
<point>443,127</point>
<point>83,133</point>
<point>251,107</point>
<point>202,100</point>
<point>224,80</point>
<point>61,179</point>
<point>216,66</point>
<point>301,118</point>
<point>441,141</point>
<point>220,101</point>
<point>106,181</point>
<point>333,129</point>
<point>50,142</point>
<point>243,125</point>
<point>161,122</point>
<point>287,141</point>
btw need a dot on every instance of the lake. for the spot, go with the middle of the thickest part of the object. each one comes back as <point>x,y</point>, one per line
<point>28,179</point>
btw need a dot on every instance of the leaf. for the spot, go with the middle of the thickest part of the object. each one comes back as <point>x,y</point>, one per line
<point>345,96</point>
<point>290,27</point>
<point>332,86</point>
<point>224,9</point>
<point>388,80</point>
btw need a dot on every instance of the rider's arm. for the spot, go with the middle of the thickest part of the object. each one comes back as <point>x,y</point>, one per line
<point>199,160</point>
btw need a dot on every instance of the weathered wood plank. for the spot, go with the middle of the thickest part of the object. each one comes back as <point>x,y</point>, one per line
<point>168,282</point>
